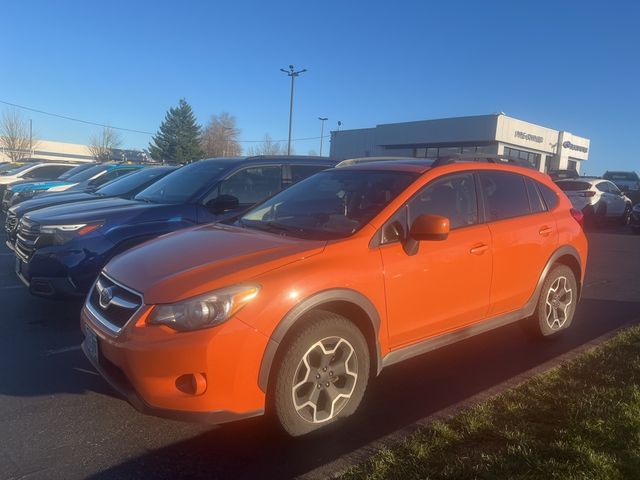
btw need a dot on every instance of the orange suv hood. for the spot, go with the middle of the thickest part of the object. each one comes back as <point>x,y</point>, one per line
<point>195,261</point>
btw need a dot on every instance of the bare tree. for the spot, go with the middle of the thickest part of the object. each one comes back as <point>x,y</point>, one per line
<point>268,147</point>
<point>15,138</point>
<point>101,145</point>
<point>220,137</point>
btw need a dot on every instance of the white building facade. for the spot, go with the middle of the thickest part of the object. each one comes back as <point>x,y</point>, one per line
<point>544,148</point>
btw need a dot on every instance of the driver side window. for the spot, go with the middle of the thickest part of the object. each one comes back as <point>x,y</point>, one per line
<point>252,184</point>
<point>453,196</point>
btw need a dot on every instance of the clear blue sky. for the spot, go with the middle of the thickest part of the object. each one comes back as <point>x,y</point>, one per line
<point>571,65</point>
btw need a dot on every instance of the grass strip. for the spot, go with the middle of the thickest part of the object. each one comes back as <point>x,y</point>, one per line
<point>580,420</point>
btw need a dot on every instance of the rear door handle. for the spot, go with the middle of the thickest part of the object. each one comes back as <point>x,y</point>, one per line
<point>479,249</point>
<point>545,231</point>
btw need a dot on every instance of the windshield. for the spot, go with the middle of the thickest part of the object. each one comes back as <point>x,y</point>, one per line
<point>573,186</point>
<point>181,185</point>
<point>15,171</point>
<point>131,182</point>
<point>74,171</point>
<point>329,205</point>
<point>88,173</point>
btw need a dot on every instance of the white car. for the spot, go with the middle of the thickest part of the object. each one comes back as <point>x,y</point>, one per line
<point>34,171</point>
<point>597,198</point>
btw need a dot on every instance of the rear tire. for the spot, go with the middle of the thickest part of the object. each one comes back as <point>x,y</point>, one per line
<point>322,374</point>
<point>626,216</point>
<point>556,303</point>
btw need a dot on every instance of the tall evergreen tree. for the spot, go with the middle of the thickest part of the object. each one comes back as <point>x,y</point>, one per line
<point>178,138</point>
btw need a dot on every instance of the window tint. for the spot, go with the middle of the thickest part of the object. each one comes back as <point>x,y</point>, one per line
<point>253,184</point>
<point>603,187</point>
<point>453,196</point>
<point>505,195</point>
<point>300,172</point>
<point>614,189</point>
<point>47,172</point>
<point>550,197</point>
<point>535,202</point>
<point>75,171</point>
<point>573,186</point>
<point>132,182</point>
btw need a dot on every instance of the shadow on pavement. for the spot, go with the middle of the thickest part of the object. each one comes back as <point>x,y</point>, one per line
<point>402,394</point>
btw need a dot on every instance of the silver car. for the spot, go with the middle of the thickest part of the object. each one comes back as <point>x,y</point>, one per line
<point>597,198</point>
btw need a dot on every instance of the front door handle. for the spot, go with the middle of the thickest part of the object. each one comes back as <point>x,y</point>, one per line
<point>545,231</point>
<point>479,249</point>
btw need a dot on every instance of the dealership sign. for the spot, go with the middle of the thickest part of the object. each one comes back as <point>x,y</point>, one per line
<point>529,136</point>
<point>572,146</point>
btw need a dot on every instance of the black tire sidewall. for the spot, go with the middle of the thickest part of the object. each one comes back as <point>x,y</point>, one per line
<point>317,325</point>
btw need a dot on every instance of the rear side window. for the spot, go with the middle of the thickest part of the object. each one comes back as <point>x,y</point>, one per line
<point>48,172</point>
<point>603,187</point>
<point>300,172</point>
<point>548,195</point>
<point>573,186</point>
<point>505,195</point>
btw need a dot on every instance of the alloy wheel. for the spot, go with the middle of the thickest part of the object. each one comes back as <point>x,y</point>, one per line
<point>325,379</point>
<point>559,299</point>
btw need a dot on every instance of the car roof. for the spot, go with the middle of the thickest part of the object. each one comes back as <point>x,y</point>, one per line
<point>405,165</point>
<point>270,158</point>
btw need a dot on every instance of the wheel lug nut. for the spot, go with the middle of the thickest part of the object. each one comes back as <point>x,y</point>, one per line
<point>317,376</point>
<point>324,369</point>
<point>326,384</point>
<point>331,374</point>
<point>319,386</point>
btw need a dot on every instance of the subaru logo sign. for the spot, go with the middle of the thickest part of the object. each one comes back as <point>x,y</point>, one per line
<point>571,146</point>
<point>106,295</point>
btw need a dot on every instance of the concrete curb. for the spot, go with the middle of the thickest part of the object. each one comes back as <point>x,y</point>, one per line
<point>335,468</point>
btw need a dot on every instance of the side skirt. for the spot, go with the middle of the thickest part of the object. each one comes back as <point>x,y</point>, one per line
<point>445,339</point>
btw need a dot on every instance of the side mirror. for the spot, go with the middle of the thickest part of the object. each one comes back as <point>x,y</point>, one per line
<point>425,227</point>
<point>222,203</point>
<point>430,227</point>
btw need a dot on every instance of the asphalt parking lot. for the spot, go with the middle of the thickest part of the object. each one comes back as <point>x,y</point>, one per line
<point>59,419</point>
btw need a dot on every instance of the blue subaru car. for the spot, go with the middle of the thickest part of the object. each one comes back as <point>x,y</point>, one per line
<point>60,250</point>
<point>124,187</point>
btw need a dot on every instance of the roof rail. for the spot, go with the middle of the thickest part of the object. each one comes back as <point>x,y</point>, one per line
<point>354,161</point>
<point>475,157</point>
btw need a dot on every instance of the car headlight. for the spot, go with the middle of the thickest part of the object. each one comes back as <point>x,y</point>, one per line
<point>204,311</point>
<point>64,233</point>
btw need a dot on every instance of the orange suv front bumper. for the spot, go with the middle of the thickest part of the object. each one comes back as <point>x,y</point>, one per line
<point>208,375</point>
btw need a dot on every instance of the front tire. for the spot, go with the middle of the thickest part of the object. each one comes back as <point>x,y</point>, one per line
<point>556,303</point>
<point>322,375</point>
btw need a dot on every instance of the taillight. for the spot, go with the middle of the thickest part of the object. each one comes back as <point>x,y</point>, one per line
<point>578,216</point>
<point>587,194</point>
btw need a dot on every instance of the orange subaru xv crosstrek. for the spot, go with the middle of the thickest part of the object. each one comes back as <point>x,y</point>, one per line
<point>295,306</point>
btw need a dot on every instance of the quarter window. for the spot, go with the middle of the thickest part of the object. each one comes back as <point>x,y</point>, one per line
<point>535,201</point>
<point>453,196</point>
<point>550,197</point>
<point>505,195</point>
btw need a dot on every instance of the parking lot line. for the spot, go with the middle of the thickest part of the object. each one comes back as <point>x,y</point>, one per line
<point>62,350</point>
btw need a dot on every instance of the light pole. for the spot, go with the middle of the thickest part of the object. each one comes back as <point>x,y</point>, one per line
<point>322,120</point>
<point>293,74</point>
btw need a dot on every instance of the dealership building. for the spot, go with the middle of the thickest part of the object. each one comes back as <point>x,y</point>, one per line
<point>544,148</point>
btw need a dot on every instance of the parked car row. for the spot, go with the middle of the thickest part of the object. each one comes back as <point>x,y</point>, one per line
<point>233,287</point>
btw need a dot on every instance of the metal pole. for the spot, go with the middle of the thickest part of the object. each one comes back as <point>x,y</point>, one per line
<point>30,137</point>
<point>291,73</point>
<point>322,120</point>
<point>290,115</point>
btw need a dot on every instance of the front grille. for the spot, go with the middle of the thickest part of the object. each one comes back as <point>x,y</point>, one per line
<point>28,234</point>
<point>114,303</point>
